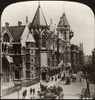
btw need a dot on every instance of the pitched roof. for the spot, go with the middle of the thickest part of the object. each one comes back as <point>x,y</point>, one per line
<point>3,28</point>
<point>30,38</point>
<point>24,35</point>
<point>39,18</point>
<point>63,21</point>
<point>16,31</point>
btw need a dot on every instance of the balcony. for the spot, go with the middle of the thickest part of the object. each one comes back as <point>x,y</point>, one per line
<point>16,54</point>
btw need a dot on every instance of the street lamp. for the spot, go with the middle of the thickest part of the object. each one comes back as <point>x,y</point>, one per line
<point>88,90</point>
<point>18,88</point>
<point>18,83</point>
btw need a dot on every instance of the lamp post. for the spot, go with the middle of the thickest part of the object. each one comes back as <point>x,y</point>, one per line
<point>88,90</point>
<point>18,87</point>
<point>18,83</point>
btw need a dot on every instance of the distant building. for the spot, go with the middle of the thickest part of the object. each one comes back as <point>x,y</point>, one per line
<point>77,57</point>
<point>35,49</point>
<point>88,59</point>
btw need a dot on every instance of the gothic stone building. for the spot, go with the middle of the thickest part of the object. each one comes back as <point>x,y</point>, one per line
<point>35,49</point>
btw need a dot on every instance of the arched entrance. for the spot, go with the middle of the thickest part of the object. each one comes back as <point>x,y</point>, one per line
<point>16,74</point>
<point>44,74</point>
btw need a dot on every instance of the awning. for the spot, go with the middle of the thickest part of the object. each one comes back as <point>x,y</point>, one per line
<point>9,59</point>
<point>54,68</point>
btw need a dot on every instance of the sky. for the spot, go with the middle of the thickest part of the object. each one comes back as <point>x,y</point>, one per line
<point>80,18</point>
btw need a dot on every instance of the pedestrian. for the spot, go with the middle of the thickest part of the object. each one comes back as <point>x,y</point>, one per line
<point>52,78</point>
<point>63,78</point>
<point>80,78</point>
<point>23,95</point>
<point>40,85</point>
<point>25,92</point>
<point>55,78</point>
<point>33,91</point>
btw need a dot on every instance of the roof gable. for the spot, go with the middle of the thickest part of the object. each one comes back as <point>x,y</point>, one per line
<point>16,32</point>
<point>30,38</point>
<point>39,18</point>
<point>5,30</point>
<point>24,35</point>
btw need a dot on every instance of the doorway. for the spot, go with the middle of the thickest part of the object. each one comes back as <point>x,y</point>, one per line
<point>44,75</point>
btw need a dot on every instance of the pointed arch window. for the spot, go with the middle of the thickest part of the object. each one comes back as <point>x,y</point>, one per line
<point>6,38</point>
<point>36,37</point>
<point>43,41</point>
<point>65,35</point>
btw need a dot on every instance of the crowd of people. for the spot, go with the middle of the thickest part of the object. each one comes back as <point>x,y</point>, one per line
<point>32,93</point>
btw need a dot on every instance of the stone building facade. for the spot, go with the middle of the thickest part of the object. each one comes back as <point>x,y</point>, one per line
<point>36,49</point>
<point>18,50</point>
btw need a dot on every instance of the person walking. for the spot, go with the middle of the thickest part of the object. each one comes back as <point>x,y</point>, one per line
<point>33,91</point>
<point>55,78</point>
<point>24,94</point>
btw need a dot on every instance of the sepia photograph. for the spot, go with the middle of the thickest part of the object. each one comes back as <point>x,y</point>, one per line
<point>47,50</point>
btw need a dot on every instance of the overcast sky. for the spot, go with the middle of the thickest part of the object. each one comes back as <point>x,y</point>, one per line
<point>80,18</point>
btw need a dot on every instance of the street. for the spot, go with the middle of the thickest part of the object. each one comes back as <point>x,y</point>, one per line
<point>71,91</point>
<point>36,86</point>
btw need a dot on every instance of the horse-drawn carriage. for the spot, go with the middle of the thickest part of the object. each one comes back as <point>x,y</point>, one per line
<point>85,93</point>
<point>52,92</point>
<point>74,77</point>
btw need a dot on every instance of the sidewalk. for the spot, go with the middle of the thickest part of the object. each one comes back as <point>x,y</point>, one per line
<point>17,94</point>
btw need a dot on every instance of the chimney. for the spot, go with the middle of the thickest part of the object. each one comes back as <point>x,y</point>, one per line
<point>19,23</point>
<point>7,24</point>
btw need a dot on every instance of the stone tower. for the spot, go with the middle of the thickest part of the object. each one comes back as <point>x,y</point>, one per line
<point>39,28</point>
<point>30,57</point>
<point>65,34</point>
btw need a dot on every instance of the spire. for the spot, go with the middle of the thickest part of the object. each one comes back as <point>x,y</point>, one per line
<point>63,7</point>
<point>26,19</point>
<point>55,29</point>
<point>39,18</point>
<point>81,46</point>
<point>63,21</point>
<point>39,3</point>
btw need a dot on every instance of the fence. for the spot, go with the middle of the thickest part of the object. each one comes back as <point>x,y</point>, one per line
<point>29,82</point>
<point>9,90</point>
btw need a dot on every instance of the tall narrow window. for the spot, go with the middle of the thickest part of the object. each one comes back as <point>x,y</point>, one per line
<point>43,41</point>
<point>32,60</point>
<point>6,38</point>
<point>65,35</point>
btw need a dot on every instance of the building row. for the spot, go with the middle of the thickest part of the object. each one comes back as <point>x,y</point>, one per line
<point>77,57</point>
